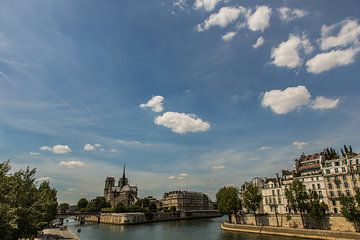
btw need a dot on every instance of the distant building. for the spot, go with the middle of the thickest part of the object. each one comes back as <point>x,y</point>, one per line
<point>186,201</point>
<point>123,193</point>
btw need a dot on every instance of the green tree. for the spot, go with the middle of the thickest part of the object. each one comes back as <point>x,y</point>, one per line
<point>96,204</point>
<point>228,201</point>
<point>316,210</point>
<point>152,207</point>
<point>350,209</point>
<point>24,208</point>
<point>64,207</point>
<point>297,198</point>
<point>252,198</point>
<point>82,204</point>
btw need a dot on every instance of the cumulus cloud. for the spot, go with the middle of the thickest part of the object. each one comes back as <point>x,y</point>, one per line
<point>155,104</point>
<point>89,147</point>
<point>34,154</point>
<point>183,174</point>
<point>287,53</point>
<point>264,148</point>
<point>260,19</point>
<point>299,144</point>
<point>172,177</point>
<point>287,100</point>
<point>289,14</point>
<point>207,5</point>
<point>222,18</point>
<point>182,123</point>
<point>259,42</point>
<point>325,61</point>
<point>228,36</point>
<point>218,167</point>
<point>321,102</point>
<point>348,34</point>
<point>114,150</point>
<point>58,149</point>
<point>71,164</point>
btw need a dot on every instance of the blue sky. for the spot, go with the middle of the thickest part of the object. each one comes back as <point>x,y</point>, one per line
<point>191,94</point>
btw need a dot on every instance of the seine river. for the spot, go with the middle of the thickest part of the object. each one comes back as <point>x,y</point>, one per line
<point>178,230</point>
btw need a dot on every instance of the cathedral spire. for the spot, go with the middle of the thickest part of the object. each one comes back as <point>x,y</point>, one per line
<point>124,172</point>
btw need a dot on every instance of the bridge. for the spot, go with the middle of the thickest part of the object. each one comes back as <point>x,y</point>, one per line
<point>78,215</point>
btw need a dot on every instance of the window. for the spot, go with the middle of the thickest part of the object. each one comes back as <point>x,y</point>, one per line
<point>320,194</point>
<point>336,163</point>
<point>333,202</point>
<point>343,169</point>
<point>327,171</point>
<point>344,177</point>
<point>348,193</point>
<point>357,161</point>
<point>279,200</point>
<point>278,192</point>
<point>330,186</point>
<point>318,185</point>
<point>317,178</point>
<point>273,192</point>
<point>312,179</point>
<point>313,186</point>
<point>335,210</point>
<point>337,185</point>
<point>346,184</point>
<point>336,170</point>
<point>332,194</point>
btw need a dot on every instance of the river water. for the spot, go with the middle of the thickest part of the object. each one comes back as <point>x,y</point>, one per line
<point>177,230</point>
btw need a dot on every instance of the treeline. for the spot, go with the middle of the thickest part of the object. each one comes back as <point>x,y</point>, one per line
<point>25,208</point>
<point>99,204</point>
<point>306,203</point>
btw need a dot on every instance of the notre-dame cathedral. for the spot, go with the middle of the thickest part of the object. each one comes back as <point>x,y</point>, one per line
<point>123,193</point>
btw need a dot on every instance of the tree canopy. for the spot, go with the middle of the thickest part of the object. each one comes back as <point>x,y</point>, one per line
<point>252,198</point>
<point>228,201</point>
<point>24,207</point>
<point>351,208</point>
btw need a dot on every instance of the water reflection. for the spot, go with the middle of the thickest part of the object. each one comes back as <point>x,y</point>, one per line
<point>178,230</point>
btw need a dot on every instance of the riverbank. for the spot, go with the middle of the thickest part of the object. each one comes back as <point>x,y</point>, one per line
<point>290,232</point>
<point>142,218</point>
<point>58,233</point>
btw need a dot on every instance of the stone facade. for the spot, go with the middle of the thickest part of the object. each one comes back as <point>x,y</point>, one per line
<point>186,201</point>
<point>123,193</point>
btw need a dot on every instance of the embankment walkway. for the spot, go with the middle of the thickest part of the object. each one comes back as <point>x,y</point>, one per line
<point>292,232</point>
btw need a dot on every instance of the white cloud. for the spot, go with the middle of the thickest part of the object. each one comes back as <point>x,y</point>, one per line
<point>61,149</point>
<point>58,149</point>
<point>182,123</point>
<point>259,42</point>
<point>155,103</point>
<point>71,164</point>
<point>34,154</point>
<point>260,19</point>
<point>183,174</point>
<point>181,4</point>
<point>228,36</point>
<point>180,178</point>
<point>325,61</point>
<point>222,18</point>
<point>90,147</point>
<point>218,167</point>
<point>46,148</point>
<point>41,179</point>
<point>349,34</point>
<point>114,150</point>
<point>299,144</point>
<point>289,14</point>
<point>284,101</point>
<point>264,148</point>
<point>287,53</point>
<point>321,102</point>
<point>207,5</point>
<point>172,177</point>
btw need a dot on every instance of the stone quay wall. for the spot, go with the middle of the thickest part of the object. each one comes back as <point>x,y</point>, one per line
<point>292,232</point>
<point>331,222</point>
